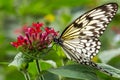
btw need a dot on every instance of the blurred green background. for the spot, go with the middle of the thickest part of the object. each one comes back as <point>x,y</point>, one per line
<point>54,13</point>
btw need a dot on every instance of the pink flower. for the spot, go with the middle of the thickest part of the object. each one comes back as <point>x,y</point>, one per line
<point>35,37</point>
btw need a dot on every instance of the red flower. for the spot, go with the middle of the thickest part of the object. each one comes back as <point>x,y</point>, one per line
<point>35,37</point>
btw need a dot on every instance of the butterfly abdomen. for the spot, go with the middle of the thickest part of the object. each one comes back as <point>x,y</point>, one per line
<point>99,68</point>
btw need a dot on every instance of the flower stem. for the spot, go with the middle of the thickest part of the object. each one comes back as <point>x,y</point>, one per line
<point>39,69</point>
<point>26,75</point>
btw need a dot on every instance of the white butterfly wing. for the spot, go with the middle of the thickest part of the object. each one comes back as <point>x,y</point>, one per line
<point>79,39</point>
<point>81,50</point>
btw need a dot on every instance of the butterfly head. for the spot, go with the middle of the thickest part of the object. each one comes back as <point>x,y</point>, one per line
<point>57,41</point>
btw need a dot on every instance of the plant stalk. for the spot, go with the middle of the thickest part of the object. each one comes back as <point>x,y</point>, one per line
<point>26,75</point>
<point>39,69</point>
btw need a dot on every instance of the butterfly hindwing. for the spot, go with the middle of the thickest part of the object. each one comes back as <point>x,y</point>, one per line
<point>81,49</point>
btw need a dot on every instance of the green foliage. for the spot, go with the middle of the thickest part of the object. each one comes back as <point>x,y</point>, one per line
<point>84,72</point>
<point>111,53</point>
<point>75,71</point>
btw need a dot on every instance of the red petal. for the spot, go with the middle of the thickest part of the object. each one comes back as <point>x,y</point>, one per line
<point>14,44</point>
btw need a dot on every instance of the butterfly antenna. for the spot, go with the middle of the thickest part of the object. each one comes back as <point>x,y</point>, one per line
<point>99,68</point>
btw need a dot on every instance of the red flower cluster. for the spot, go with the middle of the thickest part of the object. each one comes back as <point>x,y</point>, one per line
<point>36,37</point>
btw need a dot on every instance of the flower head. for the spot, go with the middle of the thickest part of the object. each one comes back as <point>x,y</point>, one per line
<point>36,37</point>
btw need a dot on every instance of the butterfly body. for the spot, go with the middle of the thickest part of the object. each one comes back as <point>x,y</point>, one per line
<point>80,39</point>
<point>58,41</point>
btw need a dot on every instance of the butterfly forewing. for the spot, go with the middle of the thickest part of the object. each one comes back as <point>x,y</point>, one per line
<point>91,24</point>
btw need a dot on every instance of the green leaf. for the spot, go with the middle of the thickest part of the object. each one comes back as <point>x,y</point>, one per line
<point>115,72</point>
<point>52,55</point>
<point>106,56</point>
<point>19,61</point>
<point>84,72</point>
<point>75,71</point>
<point>45,65</point>
<point>50,76</point>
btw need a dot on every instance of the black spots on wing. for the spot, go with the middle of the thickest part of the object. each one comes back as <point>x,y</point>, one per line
<point>104,8</point>
<point>89,18</point>
<point>95,33</point>
<point>86,53</point>
<point>78,25</point>
<point>80,58</point>
<point>105,24</point>
<point>82,34</point>
<point>94,24</point>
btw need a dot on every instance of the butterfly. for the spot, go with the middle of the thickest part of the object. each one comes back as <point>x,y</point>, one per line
<point>80,40</point>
